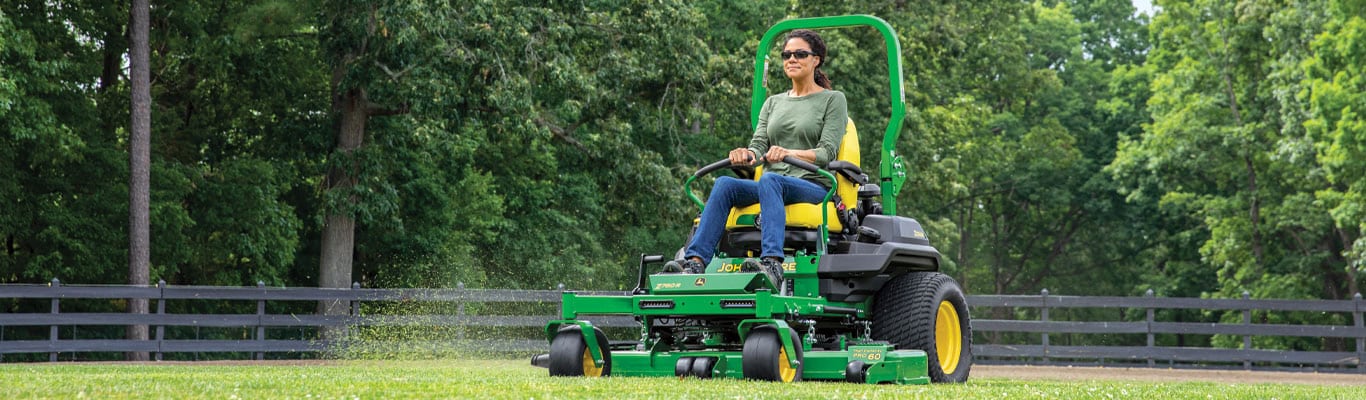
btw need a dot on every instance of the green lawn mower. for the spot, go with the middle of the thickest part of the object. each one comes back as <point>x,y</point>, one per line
<point>862,298</point>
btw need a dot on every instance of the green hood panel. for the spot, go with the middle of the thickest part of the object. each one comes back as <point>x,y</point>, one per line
<point>723,283</point>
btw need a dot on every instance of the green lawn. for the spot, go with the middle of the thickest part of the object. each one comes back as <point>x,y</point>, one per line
<point>516,379</point>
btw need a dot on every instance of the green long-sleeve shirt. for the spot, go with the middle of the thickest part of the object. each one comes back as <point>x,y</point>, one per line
<point>812,122</point>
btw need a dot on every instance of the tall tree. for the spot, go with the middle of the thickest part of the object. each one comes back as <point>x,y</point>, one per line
<point>1335,79</point>
<point>139,166</point>
<point>530,112</point>
<point>384,61</point>
<point>65,193</point>
<point>1241,152</point>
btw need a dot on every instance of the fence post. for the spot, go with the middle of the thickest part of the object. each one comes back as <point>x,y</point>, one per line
<point>260,314</point>
<point>1361,340</point>
<point>1149,295</point>
<point>1247,339</point>
<point>355,299</point>
<point>161,315</point>
<point>355,309</point>
<point>1043,316</point>
<point>56,309</point>
<point>460,315</point>
<point>560,287</point>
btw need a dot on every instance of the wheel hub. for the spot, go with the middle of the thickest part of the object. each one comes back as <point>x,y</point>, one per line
<point>948,337</point>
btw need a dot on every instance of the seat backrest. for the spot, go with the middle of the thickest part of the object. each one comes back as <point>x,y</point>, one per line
<point>849,151</point>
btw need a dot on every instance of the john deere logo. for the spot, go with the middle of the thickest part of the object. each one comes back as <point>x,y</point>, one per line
<point>699,282</point>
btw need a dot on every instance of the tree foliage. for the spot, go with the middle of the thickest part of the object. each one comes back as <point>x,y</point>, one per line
<point>1067,145</point>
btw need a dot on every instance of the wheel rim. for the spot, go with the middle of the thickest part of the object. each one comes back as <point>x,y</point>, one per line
<point>785,371</point>
<point>948,337</point>
<point>589,369</point>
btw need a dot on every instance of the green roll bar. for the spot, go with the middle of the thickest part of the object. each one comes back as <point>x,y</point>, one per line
<point>892,169</point>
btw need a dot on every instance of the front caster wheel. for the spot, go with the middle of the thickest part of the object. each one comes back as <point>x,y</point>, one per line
<point>569,355</point>
<point>701,367</point>
<point>765,358</point>
<point>683,367</point>
<point>856,372</point>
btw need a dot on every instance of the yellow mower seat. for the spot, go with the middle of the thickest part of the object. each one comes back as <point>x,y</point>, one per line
<point>808,215</point>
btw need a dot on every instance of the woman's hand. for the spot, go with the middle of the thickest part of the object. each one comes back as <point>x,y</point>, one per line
<point>741,156</point>
<point>777,154</point>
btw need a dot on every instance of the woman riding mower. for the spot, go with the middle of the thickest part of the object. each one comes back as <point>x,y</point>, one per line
<point>806,122</point>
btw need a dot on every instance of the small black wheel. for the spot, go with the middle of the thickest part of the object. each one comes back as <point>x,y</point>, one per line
<point>569,355</point>
<point>856,372</point>
<point>683,366</point>
<point>764,357</point>
<point>701,367</point>
<point>927,311</point>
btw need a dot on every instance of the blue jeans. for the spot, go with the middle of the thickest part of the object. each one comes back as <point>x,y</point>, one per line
<point>772,192</point>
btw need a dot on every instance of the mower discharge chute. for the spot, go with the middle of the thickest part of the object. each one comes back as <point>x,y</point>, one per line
<point>862,298</point>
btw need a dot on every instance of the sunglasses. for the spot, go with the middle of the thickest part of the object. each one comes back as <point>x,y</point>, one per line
<point>800,54</point>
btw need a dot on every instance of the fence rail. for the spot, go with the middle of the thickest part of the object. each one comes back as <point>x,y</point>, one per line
<point>1040,350</point>
<point>1150,326</point>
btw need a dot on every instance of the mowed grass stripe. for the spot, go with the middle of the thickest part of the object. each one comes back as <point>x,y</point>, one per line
<point>514,379</point>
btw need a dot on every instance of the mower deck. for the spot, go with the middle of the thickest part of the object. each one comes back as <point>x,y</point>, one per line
<point>885,365</point>
<point>747,300</point>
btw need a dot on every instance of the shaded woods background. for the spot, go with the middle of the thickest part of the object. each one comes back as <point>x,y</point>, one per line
<point>1214,148</point>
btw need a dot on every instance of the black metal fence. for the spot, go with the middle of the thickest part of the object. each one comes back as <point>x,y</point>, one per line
<point>1015,328</point>
<point>1149,327</point>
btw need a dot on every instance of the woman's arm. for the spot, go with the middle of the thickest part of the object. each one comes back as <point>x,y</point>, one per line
<point>832,132</point>
<point>758,144</point>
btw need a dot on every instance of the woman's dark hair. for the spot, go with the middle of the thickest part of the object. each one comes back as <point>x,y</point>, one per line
<point>818,47</point>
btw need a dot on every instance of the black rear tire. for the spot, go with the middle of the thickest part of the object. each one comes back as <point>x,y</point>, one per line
<point>908,312</point>
<point>569,355</point>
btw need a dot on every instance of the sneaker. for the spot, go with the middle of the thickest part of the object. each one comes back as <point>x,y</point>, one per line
<point>686,266</point>
<point>773,268</point>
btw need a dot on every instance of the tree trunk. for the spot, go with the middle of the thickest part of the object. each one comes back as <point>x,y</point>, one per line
<point>1254,210</point>
<point>139,166</point>
<point>339,230</point>
<point>1352,287</point>
<point>964,238</point>
<point>109,73</point>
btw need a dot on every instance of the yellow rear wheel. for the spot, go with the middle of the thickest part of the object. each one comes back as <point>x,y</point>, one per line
<point>948,337</point>
<point>927,311</point>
